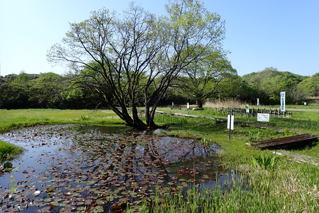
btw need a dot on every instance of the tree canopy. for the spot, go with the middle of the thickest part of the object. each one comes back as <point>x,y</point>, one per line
<point>137,52</point>
<point>269,82</point>
<point>205,75</point>
<point>310,85</point>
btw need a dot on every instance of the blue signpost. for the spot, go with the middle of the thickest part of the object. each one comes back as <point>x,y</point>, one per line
<point>282,101</point>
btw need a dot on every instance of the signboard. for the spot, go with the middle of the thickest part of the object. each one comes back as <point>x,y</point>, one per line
<point>187,105</point>
<point>257,101</point>
<point>230,122</point>
<point>263,117</point>
<point>247,108</point>
<point>282,101</point>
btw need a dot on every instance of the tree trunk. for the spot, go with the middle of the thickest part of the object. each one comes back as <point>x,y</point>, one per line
<point>133,121</point>
<point>199,103</point>
<point>149,116</point>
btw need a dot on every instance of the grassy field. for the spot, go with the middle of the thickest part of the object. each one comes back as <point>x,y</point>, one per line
<point>265,182</point>
<point>305,118</point>
<point>11,119</point>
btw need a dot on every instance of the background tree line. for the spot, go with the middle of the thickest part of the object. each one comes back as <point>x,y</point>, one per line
<point>46,90</point>
<point>268,83</point>
<point>50,90</point>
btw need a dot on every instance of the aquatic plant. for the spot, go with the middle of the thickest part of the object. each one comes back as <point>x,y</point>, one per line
<point>265,162</point>
<point>7,151</point>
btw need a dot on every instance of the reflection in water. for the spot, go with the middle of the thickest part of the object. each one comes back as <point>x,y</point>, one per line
<point>96,129</point>
<point>87,168</point>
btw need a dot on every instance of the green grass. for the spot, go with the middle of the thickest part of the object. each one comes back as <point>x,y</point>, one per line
<point>301,120</point>
<point>11,119</point>
<point>8,151</point>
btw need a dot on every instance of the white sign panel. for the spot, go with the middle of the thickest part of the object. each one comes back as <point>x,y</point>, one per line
<point>263,117</point>
<point>230,122</point>
<point>282,101</point>
<point>257,101</point>
<point>187,105</point>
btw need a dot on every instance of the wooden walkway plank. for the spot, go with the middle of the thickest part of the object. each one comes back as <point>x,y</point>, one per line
<point>286,142</point>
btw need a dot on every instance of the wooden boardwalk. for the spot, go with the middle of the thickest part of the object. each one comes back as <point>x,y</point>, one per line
<point>286,142</point>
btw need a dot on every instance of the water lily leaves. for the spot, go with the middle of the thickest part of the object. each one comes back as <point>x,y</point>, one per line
<point>98,209</point>
<point>87,171</point>
<point>47,200</point>
<point>7,170</point>
<point>110,198</point>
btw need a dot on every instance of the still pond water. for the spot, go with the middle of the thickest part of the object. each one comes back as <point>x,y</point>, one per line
<point>74,168</point>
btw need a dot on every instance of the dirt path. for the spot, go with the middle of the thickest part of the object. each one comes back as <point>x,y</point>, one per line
<point>298,157</point>
<point>305,110</point>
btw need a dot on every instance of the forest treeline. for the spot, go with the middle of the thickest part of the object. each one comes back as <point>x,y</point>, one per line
<point>50,90</point>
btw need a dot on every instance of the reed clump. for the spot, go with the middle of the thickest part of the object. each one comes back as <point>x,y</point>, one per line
<point>228,103</point>
<point>7,151</point>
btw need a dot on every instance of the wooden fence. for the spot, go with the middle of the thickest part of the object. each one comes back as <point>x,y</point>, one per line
<point>253,112</point>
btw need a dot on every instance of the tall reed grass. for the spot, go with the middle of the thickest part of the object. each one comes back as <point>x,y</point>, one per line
<point>291,187</point>
<point>229,103</point>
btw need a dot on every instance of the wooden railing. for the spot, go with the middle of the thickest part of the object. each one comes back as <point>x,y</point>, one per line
<point>253,112</point>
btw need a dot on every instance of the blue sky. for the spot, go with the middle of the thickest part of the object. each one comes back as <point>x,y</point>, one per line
<point>260,33</point>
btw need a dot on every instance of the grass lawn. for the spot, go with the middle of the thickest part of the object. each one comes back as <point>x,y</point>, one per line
<point>11,119</point>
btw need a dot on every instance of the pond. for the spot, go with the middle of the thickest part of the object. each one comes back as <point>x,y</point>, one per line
<point>89,168</point>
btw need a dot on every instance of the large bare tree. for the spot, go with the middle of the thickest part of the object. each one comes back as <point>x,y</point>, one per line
<point>118,57</point>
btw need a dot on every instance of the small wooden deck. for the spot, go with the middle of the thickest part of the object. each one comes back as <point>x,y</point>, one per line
<point>287,142</point>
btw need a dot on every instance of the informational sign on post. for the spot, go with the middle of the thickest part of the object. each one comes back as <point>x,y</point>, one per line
<point>282,101</point>
<point>263,117</point>
<point>247,108</point>
<point>257,101</point>
<point>230,122</point>
<point>247,111</point>
<point>187,105</point>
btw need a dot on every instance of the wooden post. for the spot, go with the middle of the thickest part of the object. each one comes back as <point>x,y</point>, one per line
<point>229,127</point>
